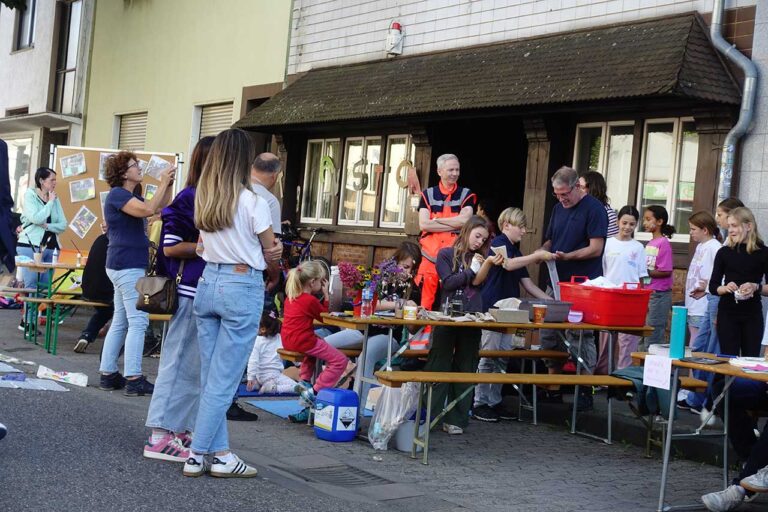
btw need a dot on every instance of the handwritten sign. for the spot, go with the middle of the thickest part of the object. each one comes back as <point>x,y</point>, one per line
<point>656,371</point>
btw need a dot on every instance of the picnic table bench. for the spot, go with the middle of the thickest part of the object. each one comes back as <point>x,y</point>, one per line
<point>430,379</point>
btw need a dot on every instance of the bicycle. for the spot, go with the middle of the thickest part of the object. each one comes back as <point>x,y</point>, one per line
<point>297,251</point>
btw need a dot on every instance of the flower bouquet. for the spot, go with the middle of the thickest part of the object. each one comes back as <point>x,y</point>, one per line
<point>386,279</point>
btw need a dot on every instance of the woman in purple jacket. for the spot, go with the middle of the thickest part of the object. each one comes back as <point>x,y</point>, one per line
<point>462,269</point>
<point>173,408</point>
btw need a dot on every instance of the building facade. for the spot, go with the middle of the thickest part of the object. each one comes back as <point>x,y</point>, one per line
<point>631,88</point>
<point>181,70</point>
<point>44,53</point>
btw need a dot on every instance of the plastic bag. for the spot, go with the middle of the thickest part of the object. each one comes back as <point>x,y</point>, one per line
<point>395,405</point>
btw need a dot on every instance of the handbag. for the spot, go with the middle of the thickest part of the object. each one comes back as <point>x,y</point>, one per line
<point>157,294</point>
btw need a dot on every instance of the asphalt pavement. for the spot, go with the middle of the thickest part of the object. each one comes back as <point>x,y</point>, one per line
<point>81,450</point>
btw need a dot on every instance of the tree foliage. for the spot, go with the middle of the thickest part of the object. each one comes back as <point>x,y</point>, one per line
<point>15,4</point>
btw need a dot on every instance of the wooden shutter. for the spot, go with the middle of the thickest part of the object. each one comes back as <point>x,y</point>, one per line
<point>133,132</point>
<point>214,119</point>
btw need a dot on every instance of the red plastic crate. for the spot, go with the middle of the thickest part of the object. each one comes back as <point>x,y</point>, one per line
<point>623,307</point>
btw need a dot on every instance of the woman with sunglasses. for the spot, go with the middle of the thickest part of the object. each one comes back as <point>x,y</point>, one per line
<point>127,261</point>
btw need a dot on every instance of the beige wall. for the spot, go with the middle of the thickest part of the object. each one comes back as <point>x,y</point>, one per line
<point>167,56</point>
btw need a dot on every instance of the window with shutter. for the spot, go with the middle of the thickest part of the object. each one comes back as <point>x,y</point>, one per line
<point>214,119</point>
<point>133,132</point>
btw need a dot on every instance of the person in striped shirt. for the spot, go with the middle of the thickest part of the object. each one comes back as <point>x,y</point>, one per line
<point>593,183</point>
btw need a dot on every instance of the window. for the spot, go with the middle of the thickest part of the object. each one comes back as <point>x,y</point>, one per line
<point>668,168</point>
<point>214,119</point>
<point>25,26</point>
<point>133,131</point>
<point>19,167</point>
<point>358,194</point>
<point>400,152</point>
<point>66,63</point>
<point>607,149</point>
<point>320,177</point>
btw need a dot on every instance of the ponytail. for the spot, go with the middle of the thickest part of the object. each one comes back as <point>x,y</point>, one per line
<point>660,213</point>
<point>301,275</point>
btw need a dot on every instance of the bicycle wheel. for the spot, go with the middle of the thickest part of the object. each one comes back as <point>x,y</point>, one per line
<point>324,261</point>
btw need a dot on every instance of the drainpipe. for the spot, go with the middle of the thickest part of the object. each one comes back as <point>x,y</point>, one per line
<point>747,100</point>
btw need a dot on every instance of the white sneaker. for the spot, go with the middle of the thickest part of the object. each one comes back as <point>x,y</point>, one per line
<point>194,468</point>
<point>81,345</point>
<point>452,430</point>
<point>235,468</point>
<point>703,415</point>
<point>726,500</point>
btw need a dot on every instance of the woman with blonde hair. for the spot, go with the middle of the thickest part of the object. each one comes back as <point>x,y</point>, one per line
<point>737,272</point>
<point>235,228</point>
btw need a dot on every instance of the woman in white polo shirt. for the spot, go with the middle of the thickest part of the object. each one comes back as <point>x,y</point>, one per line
<point>235,226</point>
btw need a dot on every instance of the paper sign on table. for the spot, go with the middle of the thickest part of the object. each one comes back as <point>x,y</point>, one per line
<point>656,371</point>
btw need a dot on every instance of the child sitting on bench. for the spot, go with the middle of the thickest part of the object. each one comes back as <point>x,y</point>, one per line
<point>265,368</point>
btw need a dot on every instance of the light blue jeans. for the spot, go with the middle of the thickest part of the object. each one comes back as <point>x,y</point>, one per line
<point>706,341</point>
<point>490,394</point>
<point>177,388</point>
<point>375,350</point>
<point>33,279</point>
<point>228,308</point>
<point>128,324</point>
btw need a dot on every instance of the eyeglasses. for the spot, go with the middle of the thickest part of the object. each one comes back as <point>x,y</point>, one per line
<point>134,164</point>
<point>562,195</point>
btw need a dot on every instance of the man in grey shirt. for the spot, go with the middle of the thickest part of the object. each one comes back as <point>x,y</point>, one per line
<point>264,173</point>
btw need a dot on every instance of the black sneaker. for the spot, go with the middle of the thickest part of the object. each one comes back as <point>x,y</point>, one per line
<point>139,387</point>
<point>237,413</point>
<point>504,412</point>
<point>551,397</point>
<point>485,413</point>
<point>111,382</point>
<point>683,405</point>
<point>584,402</point>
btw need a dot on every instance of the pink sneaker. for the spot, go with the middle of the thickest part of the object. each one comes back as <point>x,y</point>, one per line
<point>168,448</point>
<point>185,439</point>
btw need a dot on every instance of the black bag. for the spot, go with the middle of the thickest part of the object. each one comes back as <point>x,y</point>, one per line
<point>157,294</point>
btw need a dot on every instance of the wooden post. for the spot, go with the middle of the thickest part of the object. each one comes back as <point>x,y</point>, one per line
<point>422,160</point>
<point>536,187</point>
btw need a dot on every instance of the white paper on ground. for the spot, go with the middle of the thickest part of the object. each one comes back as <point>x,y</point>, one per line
<point>656,371</point>
<point>78,379</point>
<point>9,359</point>
<point>37,384</point>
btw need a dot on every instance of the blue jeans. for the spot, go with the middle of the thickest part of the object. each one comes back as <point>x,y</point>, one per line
<point>128,324</point>
<point>33,279</point>
<point>659,306</point>
<point>228,307</point>
<point>177,388</point>
<point>706,341</point>
<point>490,394</point>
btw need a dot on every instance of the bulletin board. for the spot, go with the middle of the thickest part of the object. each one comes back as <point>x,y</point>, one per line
<point>82,190</point>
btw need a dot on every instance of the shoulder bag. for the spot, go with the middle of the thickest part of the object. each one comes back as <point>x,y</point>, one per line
<point>157,294</point>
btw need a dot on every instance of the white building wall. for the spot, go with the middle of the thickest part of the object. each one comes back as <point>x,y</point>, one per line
<point>25,74</point>
<point>753,172</point>
<point>333,32</point>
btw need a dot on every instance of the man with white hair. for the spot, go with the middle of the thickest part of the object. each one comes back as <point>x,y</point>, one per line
<point>576,238</point>
<point>443,210</point>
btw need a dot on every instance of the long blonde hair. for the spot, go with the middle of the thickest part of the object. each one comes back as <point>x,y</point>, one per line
<point>226,172</point>
<point>301,275</point>
<point>461,244</point>
<point>744,215</point>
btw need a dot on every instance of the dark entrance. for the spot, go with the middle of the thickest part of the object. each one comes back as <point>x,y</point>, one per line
<point>493,155</point>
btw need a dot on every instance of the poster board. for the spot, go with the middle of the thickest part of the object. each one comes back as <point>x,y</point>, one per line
<point>81,188</point>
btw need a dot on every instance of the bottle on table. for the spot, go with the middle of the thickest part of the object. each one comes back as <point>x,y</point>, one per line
<point>55,258</point>
<point>366,308</point>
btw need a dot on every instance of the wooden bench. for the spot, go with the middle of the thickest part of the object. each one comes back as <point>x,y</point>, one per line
<point>430,379</point>
<point>297,357</point>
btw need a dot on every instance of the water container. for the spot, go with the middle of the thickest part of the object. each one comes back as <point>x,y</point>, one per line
<point>336,415</point>
<point>404,434</point>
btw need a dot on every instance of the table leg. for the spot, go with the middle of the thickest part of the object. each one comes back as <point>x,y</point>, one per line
<point>359,374</point>
<point>389,350</point>
<point>576,388</point>
<point>668,440</point>
<point>417,417</point>
<point>535,397</point>
<point>427,423</point>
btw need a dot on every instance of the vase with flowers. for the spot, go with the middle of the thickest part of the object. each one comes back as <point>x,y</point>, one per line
<point>378,279</point>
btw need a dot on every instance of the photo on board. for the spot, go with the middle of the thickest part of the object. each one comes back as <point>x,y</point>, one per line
<point>83,221</point>
<point>72,165</point>
<point>82,190</point>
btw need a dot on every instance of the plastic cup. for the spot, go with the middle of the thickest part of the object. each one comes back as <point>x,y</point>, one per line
<point>38,257</point>
<point>409,312</point>
<point>539,313</point>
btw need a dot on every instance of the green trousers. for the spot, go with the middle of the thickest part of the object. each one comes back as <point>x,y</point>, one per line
<point>453,349</point>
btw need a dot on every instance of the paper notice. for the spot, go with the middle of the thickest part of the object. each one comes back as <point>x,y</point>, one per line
<point>656,371</point>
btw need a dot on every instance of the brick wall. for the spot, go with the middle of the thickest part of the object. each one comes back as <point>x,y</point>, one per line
<point>337,32</point>
<point>358,254</point>
<point>382,253</point>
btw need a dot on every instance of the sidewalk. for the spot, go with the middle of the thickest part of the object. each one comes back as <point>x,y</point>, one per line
<point>508,466</point>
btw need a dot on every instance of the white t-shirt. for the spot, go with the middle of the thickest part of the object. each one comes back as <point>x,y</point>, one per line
<point>699,272</point>
<point>274,205</point>
<point>624,261</point>
<point>264,363</point>
<point>239,243</point>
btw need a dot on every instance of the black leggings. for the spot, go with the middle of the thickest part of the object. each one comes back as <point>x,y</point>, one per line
<point>740,333</point>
